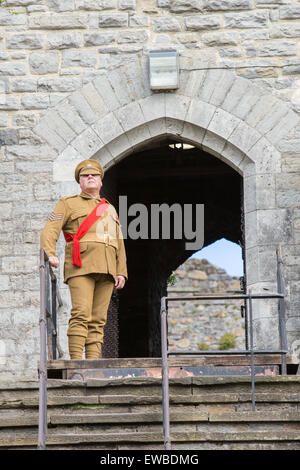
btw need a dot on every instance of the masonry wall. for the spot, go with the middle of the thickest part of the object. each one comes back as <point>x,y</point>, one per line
<point>49,49</point>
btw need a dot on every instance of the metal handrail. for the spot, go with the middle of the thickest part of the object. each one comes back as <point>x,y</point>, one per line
<point>49,298</point>
<point>251,351</point>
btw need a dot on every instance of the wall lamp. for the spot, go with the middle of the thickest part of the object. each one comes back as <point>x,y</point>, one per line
<point>164,70</point>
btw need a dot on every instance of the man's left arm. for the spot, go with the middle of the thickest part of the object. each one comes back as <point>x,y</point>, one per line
<point>122,274</point>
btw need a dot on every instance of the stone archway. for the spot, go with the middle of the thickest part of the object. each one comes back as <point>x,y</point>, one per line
<point>239,123</point>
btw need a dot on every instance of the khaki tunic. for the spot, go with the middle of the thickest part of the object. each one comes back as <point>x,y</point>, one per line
<point>101,248</point>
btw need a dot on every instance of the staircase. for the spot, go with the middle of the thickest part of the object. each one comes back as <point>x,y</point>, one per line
<point>125,414</point>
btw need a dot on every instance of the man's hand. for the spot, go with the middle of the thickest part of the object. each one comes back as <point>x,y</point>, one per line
<point>54,261</point>
<point>120,282</point>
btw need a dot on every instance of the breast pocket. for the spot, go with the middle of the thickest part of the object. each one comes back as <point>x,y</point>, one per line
<point>77,218</point>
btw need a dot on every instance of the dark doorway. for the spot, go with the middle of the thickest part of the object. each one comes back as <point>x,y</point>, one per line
<point>168,172</point>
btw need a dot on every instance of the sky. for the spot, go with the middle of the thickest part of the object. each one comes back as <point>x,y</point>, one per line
<point>224,254</point>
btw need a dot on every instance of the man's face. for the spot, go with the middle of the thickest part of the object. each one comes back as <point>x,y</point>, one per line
<point>90,182</point>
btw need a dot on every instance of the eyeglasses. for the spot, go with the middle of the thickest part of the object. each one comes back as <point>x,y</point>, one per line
<point>85,176</point>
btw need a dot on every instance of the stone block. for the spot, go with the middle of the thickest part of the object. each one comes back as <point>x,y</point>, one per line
<point>9,103</point>
<point>139,21</point>
<point>58,21</point>
<point>185,6</point>
<point>96,5</point>
<point>15,17</point>
<point>50,136</point>
<point>59,125</point>
<point>82,107</point>
<point>289,12</point>
<point>63,40</point>
<point>165,23</point>
<point>87,143</point>
<point>20,85</point>
<point>119,147</point>
<point>274,226</point>
<point>24,120</point>
<point>200,113</point>
<point>213,144</point>
<point>285,30</point>
<point>260,109</point>
<point>13,68</point>
<point>222,123</point>
<point>220,39</point>
<point>61,5</point>
<point>224,5</point>
<point>4,85</point>
<point>98,39</point>
<point>291,66</point>
<point>274,48</point>
<point>267,159</point>
<point>177,106</point>
<point>129,116</point>
<point>262,189</point>
<point>291,163</point>
<point>282,128</point>
<point>273,117</point>
<point>13,3</point>
<point>114,20</point>
<point>237,91</point>
<point>58,84</point>
<point>117,82</point>
<point>257,19</point>
<point>43,63</point>
<point>153,107</point>
<point>108,128</point>
<point>127,4</point>
<point>244,137</point>
<point>137,81</point>
<point>137,36</point>
<point>24,41</point>
<point>79,58</point>
<point>13,264</point>
<point>35,101</point>
<point>3,120</point>
<point>64,166</point>
<point>9,136</point>
<point>202,22</point>
<point>94,100</point>
<point>107,92</point>
<point>4,282</point>
<point>27,152</point>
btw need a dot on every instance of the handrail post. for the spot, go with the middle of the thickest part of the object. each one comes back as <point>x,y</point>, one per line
<point>165,374</point>
<point>252,353</point>
<point>54,317</point>
<point>282,327</point>
<point>42,431</point>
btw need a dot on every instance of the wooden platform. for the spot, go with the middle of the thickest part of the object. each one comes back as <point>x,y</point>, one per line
<point>179,366</point>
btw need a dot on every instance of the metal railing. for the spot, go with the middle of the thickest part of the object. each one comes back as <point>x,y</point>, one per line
<point>250,351</point>
<point>50,301</point>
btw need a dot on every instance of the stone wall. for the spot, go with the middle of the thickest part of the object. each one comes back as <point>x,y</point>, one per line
<point>52,50</point>
<point>200,324</point>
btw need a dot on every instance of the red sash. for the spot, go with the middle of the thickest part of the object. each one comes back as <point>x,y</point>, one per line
<point>84,227</point>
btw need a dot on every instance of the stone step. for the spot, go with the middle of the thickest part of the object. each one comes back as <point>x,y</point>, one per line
<point>135,400</point>
<point>206,413</point>
<point>137,438</point>
<point>180,416</point>
<point>137,386</point>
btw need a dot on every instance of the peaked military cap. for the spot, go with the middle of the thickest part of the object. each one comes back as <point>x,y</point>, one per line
<point>88,167</point>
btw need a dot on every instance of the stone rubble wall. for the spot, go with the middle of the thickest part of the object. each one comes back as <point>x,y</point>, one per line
<point>49,49</point>
<point>198,324</point>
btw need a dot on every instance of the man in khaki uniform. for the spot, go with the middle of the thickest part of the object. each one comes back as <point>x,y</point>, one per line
<point>95,258</point>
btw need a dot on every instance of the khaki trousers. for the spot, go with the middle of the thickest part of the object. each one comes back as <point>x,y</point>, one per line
<point>90,297</point>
